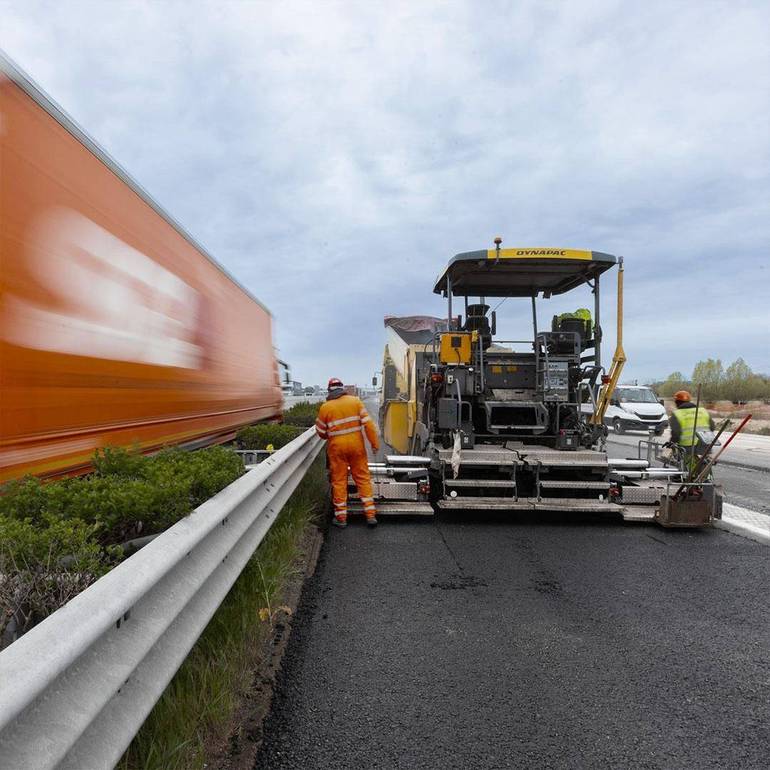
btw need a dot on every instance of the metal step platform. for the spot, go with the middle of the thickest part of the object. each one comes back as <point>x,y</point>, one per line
<point>565,504</point>
<point>410,460</point>
<point>532,456</point>
<point>574,484</point>
<point>394,508</point>
<point>477,483</point>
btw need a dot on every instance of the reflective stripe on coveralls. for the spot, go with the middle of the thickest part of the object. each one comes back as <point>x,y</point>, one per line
<point>345,431</point>
<point>344,421</point>
<point>686,420</point>
<point>368,503</point>
<point>353,418</point>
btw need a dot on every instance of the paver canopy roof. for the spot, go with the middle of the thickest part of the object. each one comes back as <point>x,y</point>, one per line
<point>523,272</point>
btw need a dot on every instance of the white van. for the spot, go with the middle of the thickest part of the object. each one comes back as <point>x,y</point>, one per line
<point>635,407</point>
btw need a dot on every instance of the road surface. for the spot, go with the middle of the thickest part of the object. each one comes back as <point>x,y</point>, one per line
<point>493,642</point>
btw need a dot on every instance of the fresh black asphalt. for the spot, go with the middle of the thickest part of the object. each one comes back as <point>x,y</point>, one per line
<point>746,487</point>
<point>494,643</point>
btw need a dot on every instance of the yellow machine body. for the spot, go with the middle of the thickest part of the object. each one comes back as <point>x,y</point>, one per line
<point>400,402</point>
<point>455,348</point>
<point>396,428</point>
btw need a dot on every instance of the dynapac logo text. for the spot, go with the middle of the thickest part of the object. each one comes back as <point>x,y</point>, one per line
<point>541,252</point>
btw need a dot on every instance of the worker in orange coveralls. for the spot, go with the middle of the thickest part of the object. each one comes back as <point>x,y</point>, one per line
<point>342,421</point>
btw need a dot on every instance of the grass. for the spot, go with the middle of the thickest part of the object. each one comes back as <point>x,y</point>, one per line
<point>199,705</point>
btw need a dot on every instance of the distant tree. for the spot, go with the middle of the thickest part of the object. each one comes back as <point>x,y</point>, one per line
<point>739,381</point>
<point>710,375</point>
<point>675,381</point>
<point>736,383</point>
<point>757,388</point>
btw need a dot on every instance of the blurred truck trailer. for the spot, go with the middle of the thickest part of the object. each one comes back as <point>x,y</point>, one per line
<point>116,327</point>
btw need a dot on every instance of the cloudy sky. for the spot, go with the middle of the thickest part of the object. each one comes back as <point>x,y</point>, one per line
<point>334,155</point>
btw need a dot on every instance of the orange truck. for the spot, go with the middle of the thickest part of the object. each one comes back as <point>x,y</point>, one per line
<point>116,327</point>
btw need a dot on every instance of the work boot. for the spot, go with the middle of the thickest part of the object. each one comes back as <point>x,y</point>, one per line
<point>371,521</point>
<point>339,522</point>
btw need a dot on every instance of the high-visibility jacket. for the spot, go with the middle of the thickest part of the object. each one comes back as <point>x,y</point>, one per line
<point>344,421</point>
<point>685,417</point>
<point>584,314</point>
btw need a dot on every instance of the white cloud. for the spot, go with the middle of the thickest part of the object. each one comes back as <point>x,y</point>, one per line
<point>334,155</point>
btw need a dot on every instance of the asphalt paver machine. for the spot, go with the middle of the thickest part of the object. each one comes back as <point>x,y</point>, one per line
<point>479,423</point>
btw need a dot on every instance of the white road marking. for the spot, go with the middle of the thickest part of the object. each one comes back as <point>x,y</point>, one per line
<point>742,521</point>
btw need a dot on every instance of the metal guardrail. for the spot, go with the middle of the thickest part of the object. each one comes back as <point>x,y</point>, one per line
<point>76,688</point>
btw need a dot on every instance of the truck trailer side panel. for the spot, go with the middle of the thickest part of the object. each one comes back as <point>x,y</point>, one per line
<point>115,327</point>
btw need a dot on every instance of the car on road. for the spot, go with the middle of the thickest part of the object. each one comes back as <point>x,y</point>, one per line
<point>636,407</point>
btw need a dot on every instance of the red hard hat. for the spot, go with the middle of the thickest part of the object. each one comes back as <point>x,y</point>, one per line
<point>682,395</point>
<point>334,383</point>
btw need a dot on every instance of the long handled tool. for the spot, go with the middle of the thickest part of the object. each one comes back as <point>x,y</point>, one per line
<point>704,473</point>
<point>695,439</point>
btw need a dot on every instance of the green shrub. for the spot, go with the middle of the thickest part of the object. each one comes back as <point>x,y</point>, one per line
<point>57,538</point>
<point>203,473</point>
<point>27,545</point>
<point>116,461</point>
<point>45,564</point>
<point>25,498</point>
<point>119,508</point>
<point>295,420</point>
<point>303,413</point>
<point>128,494</point>
<point>259,436</point>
